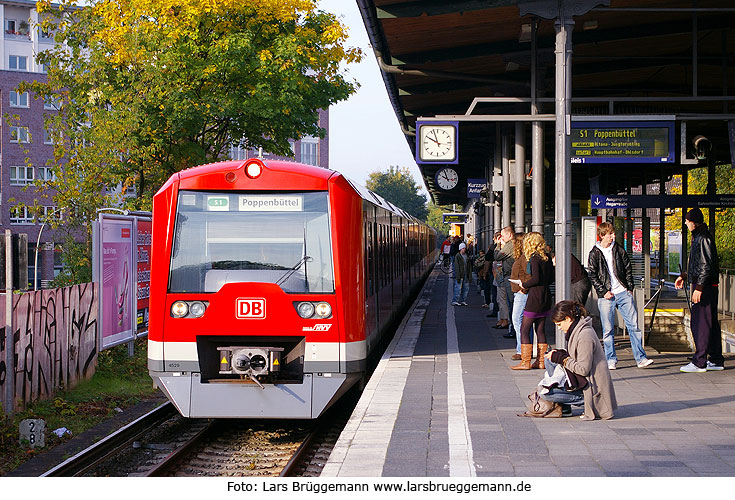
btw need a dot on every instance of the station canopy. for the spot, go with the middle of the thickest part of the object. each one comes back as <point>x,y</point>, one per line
<point>649,57</point>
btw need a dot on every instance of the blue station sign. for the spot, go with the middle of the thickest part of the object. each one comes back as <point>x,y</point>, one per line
<point>475,187</point>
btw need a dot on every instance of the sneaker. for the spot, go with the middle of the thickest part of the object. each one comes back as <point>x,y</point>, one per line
<point>711,367</point>
<point>463,303</point>
<point>485,305</point>
<point>646,362</point>
<point>692,368</point>
<point>455,303</point>
<point>611,364</point>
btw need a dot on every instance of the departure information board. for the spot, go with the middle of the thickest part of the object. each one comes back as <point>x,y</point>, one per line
<point>622,142</point>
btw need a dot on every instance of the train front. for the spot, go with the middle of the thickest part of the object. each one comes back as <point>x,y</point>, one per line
<point>244,320</point>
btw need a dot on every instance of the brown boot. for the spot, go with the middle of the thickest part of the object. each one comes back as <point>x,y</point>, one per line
<point>526,352</point>
<point>516,357</point>
<point>540,351</point>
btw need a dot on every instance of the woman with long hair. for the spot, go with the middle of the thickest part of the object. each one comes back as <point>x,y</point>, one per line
<point>520,294</point>
<point>538,304</point>
<point>585,364</point>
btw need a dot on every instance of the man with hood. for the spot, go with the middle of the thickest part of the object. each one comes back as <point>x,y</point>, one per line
<point>703,274</point>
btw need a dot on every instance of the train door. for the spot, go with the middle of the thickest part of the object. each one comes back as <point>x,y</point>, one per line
<point>371,299</point>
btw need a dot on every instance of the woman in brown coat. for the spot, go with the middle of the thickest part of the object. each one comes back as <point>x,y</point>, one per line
<point>585,364</point>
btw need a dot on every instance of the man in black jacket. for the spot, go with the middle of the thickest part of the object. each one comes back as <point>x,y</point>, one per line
<point>611,275</point>
<point>703,273</point>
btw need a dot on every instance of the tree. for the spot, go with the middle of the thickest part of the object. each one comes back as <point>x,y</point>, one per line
<point>724,218</point>
<point>398,187</point>
<point>147,88</point>
<point>435,219</point>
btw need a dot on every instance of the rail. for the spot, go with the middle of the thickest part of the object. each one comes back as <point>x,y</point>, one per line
<point>112,444</point>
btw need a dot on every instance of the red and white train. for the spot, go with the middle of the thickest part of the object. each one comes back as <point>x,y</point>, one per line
<point>271,285</point>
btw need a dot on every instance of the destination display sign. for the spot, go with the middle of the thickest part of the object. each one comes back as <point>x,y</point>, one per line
<point>454,218</point>
<point>622,142</point>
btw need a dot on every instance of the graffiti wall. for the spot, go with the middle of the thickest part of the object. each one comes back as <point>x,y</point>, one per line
<point>54,340</point>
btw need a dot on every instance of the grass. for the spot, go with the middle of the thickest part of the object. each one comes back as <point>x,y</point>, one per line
<point>119,382</point>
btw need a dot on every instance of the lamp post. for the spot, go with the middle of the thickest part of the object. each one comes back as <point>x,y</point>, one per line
<point>38,243</point>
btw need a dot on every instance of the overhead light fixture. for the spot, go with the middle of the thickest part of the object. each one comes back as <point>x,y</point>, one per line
<point>525,34</point>
<point>589,25</point>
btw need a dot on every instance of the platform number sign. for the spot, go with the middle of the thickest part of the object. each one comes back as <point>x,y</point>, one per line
<point>33,432</point>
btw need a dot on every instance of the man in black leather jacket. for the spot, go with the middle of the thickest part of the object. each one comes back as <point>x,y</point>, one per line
<point>703,273</point>
<point>611,275</point>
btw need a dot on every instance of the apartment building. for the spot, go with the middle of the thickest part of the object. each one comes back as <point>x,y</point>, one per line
<point>23,135</point>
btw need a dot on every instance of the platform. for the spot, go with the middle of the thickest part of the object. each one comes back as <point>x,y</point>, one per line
<point>443,402</point>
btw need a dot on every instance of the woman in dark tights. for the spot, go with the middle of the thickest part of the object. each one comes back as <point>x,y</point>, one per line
<point>538,304</point>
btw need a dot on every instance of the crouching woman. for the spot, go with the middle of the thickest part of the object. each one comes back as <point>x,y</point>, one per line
<point>585,363</point>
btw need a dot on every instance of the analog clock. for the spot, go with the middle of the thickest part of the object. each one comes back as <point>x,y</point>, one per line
<point>447,178</point>
<point>437,142</point>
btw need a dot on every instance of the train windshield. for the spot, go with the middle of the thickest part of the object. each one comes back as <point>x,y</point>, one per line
<point>280,238</point>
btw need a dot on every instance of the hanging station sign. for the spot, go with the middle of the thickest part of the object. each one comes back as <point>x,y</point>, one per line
<point>622,141</point>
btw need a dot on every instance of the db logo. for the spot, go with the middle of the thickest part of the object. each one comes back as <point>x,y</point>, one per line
<point>250,309</point>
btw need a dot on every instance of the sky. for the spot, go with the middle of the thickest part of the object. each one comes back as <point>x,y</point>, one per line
<point>364,135</point>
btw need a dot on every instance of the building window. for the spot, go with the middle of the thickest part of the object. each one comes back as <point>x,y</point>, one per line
<point>293,147</point>
<point>18,63</point>
<point>50,213</point>
<point>46,174</point>
<point>238,152</point>
<point>52,103</point>
<point>310,151</point>
<point>19,215</point>
<point>18,99</point>
<point>20,134</point>
<point>11,26</point>
<point>51,137</point>
<point>21,176</point>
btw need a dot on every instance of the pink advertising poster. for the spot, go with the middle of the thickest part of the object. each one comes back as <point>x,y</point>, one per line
<point>143,271</point>
<point>117,279</point>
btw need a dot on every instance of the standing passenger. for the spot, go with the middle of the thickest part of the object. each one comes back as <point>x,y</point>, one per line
<point>520,294</point>
<point>462,275</point>
<point>611,274</point>
<point>504,255</point>
<point>538,303</point>
<point>581,286</point>
<point>703,274</point>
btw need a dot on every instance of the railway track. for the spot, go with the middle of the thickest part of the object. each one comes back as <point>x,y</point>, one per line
<point>164,444</point>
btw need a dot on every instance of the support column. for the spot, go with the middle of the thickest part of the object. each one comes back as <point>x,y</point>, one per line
<point>563,189</point>
<point>537,148</point>
<point>520,178</point>
<point>506,179</point>
<point>497,169</point>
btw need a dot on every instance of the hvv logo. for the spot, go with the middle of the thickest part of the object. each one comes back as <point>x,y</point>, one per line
<point>250,309</point>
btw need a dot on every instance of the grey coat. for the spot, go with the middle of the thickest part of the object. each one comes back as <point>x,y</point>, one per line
<point>587,358</point>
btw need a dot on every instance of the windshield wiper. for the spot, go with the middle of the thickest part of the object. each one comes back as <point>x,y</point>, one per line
<point>287,274</point>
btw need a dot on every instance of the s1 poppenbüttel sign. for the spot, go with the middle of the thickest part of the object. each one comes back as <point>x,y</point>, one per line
<point>622,142</point>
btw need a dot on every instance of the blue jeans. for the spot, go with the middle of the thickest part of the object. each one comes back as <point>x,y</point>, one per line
<point>559,395</point>
<point>519,304</point>
<point>460,290</point>
<point>624,302</point>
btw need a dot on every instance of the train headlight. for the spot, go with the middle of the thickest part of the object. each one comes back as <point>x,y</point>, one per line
<point>179,309</point>
<point>305,310</point>
<point>197,309</point>
<point>253,169</point>
<point>323,310</point>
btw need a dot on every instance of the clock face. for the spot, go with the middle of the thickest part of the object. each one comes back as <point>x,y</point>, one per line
<point>437,143</point>
<point>447,178</point>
